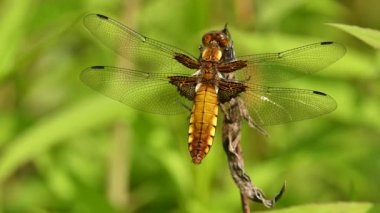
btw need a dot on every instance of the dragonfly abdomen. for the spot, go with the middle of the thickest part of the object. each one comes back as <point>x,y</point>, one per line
<point>203,122</point>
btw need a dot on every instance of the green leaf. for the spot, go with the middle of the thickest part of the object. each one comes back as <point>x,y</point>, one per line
<point>340,207</point>
<point>13,17</point>
<point>56,128</point>
<point>369,36</point>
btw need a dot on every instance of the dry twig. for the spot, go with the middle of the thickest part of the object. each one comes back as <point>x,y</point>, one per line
<point>234,113</point>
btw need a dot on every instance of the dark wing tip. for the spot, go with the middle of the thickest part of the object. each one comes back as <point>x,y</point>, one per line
<point>102,16</point>
<point>319,93</point>
<point>84,74</point>
<point>87,19</point>
<point>327,42</point>
<point>97,67</point>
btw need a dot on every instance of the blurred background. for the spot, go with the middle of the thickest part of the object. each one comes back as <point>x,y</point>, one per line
<point>64,147</point>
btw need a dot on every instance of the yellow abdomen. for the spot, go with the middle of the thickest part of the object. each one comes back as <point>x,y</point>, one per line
<point>203,122</point>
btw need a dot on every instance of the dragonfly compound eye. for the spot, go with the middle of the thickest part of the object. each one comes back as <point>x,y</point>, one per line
<point>222,40</point>
<point>206,39</point>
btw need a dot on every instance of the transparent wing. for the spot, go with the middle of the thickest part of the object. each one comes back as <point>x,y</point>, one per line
<point>145,53</point>
<point>271,105</point>
<point>150,92</point>
<point>290,64</point>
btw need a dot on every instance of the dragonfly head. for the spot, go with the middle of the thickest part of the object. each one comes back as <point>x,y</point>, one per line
<point>214,44</point>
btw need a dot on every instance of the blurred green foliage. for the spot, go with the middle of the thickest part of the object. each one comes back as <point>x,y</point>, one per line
<point>66,148</point>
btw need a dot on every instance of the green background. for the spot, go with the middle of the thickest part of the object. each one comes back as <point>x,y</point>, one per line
<point>65,148</point>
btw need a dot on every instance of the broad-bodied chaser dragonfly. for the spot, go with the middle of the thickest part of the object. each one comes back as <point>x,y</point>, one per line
<point>168,80</point>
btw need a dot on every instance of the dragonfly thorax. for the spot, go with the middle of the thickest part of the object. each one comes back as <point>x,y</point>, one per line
<point>212,52</point>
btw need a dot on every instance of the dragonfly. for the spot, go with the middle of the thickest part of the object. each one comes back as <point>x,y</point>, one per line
<point>168,80</point>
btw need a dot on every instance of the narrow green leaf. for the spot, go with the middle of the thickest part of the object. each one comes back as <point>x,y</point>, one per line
<point>12,20</point>
<point>339,207</point>
<point>369,36</point>
<point>56,128</point>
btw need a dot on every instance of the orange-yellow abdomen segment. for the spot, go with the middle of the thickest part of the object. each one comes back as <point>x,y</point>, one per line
<point>203,122</point>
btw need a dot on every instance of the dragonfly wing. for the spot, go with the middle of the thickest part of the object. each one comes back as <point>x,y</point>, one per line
<point>145,53</point>
<point>290,64</point>
<point>149,92</point>
<point>271,105</point>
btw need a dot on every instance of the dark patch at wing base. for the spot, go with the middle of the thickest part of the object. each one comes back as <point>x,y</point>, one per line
<point>185,85</point>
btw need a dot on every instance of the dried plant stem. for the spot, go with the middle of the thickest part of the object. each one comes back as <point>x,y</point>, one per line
<point>234,113</point>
